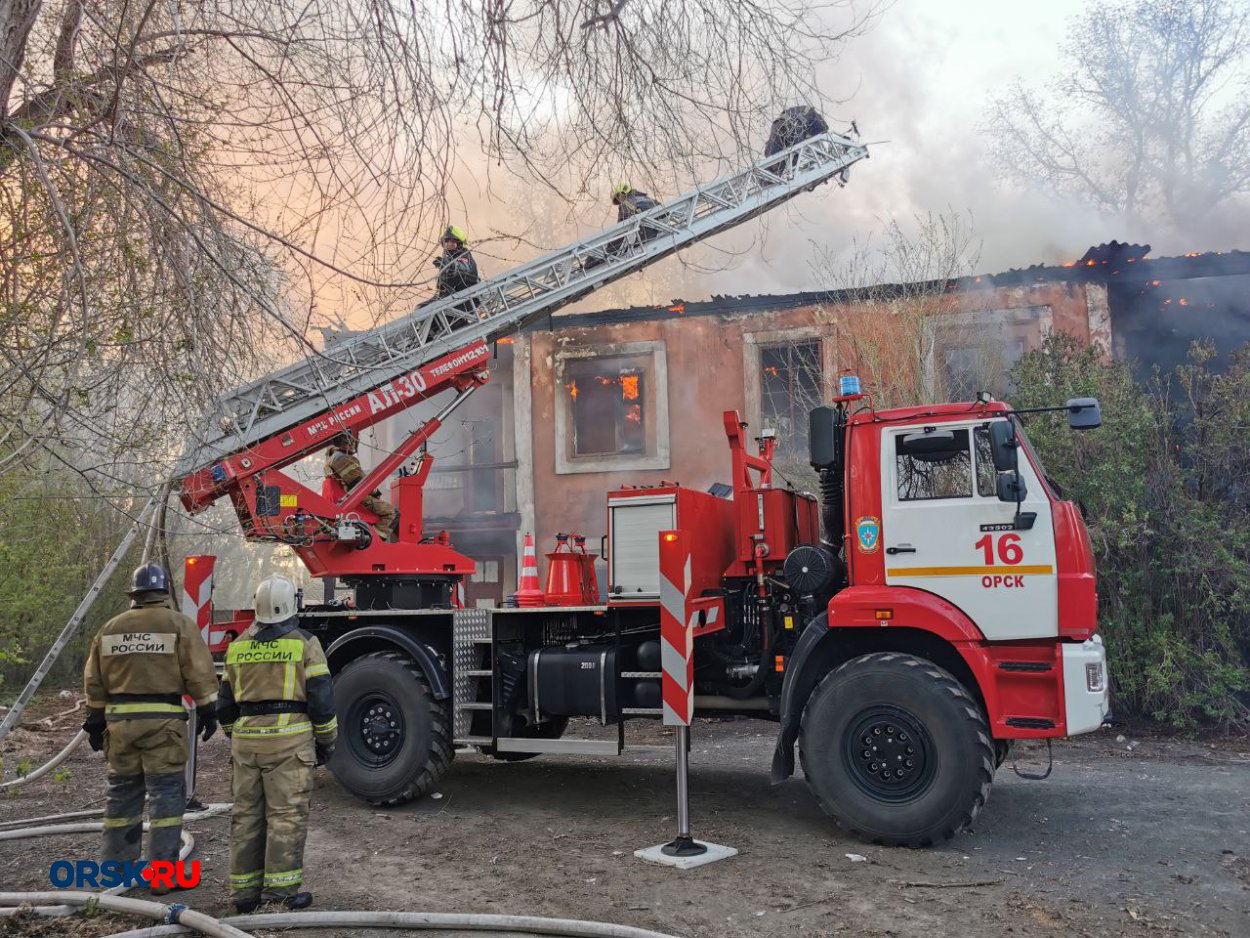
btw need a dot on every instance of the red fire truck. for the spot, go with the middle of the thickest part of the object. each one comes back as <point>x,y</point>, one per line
<point>936,602</point>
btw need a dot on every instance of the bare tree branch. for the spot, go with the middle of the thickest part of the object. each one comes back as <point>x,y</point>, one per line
<point>1151,115</point>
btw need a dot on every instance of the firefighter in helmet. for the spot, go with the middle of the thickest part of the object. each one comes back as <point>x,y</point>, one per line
<point>457,270</point>
<point>140,665</point>
<point>630,201</point>
<point>277,707</point>
<point>342,464</point>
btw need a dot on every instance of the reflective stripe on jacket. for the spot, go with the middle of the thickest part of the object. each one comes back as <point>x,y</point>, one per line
<point>144,660</point>
<point>277,664</point>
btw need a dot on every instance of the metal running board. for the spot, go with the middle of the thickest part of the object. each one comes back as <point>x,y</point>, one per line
<point>588,747</point>
<point>505,303</point>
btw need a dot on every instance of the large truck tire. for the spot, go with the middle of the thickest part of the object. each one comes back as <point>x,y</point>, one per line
<point>394,737</point>
<point>551,728</point>
<point>896,750</point>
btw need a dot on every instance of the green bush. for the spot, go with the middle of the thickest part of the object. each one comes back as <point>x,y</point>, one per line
<point>56,534</point>
<point>1165,483</point>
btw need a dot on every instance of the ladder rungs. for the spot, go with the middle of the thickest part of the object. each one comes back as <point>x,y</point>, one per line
<point>641,711</point>
<point>478,673</point>
<point>502,304</point>
<point>480,705</point>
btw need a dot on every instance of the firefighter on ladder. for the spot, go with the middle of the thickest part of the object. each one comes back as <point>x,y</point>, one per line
<point>630,202</point>
<point>277,707</point>
<point>140,665</point>
<point>342,464</point>
<point>457,270</point>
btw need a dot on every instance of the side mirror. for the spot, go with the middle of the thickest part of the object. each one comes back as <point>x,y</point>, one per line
<point>1003,445</point>
<point>823,443</point>
<point>930,446</point>
<point>1011,487</point>
<point>1084,413</point>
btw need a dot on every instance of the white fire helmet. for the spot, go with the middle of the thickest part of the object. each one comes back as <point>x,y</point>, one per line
<point>275,600</point>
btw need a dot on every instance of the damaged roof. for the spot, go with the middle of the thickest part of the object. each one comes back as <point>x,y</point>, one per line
<point>1114,261</point>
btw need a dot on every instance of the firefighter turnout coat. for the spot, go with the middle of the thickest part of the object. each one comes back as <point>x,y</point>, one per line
<point>138,668</point>
<point>457,270</point>
<point>346,468</point>
<point>277,706</point>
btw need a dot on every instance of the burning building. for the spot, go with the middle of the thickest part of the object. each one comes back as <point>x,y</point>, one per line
<point>585,402</point>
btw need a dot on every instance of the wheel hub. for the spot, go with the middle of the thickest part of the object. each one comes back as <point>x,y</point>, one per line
<point>379,730</point>
<point>889,754</point>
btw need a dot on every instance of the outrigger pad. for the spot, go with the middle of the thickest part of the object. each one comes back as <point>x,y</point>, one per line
<point>710,854</point>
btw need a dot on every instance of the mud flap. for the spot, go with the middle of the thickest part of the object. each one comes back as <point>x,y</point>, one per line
<point>795,690</point>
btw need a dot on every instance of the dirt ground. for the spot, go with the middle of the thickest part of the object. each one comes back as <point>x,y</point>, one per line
<point>1144,836</point>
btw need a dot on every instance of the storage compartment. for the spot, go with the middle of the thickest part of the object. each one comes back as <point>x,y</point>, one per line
<point>634,526</point>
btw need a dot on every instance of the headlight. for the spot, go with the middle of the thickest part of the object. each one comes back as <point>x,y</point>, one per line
<point>1095,677</point>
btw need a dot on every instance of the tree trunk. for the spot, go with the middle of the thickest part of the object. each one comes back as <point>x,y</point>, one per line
<point>17,18</point>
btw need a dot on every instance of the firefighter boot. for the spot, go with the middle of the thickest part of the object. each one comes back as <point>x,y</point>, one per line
<point>166,799</point>
<point>123,817</point>
<point>301,900</point>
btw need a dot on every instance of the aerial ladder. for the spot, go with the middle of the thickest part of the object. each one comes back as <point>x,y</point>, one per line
<point>254,432</point>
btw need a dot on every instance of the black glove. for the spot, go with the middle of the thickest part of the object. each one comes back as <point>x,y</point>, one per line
<point>438,262</point>
<point>207,716</point>
<point>325,751</point>
<point>376,493</point>
<point>94,727</point>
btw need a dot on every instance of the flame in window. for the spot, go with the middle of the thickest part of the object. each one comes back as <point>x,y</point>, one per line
<point>633,413</point>
<point>629,388</point>
<point>770,370</point>
<point>572,386</point>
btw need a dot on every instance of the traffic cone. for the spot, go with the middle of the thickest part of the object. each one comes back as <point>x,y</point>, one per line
<point>530,594</point>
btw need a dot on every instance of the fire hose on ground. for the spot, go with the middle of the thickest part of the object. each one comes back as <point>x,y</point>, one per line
<point>47,766</point>
<point>182,920</point>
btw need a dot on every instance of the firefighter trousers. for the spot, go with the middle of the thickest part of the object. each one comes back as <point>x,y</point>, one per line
<point>388,517</point>
<point>273,783</point>
<point>145,757</point>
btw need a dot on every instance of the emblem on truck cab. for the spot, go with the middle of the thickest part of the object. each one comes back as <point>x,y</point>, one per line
<point>868,533</point>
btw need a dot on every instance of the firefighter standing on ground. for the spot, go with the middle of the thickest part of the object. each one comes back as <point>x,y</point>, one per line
<point>342,464</point>
<point>277,706</point>
<point>140,665</point>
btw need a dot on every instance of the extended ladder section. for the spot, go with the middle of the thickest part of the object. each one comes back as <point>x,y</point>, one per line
<point>506,303</point>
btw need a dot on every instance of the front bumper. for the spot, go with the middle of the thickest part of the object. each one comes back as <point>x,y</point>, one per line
<point>1086,684</point>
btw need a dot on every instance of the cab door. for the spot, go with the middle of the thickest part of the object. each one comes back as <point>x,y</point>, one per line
<point>945,530</point>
